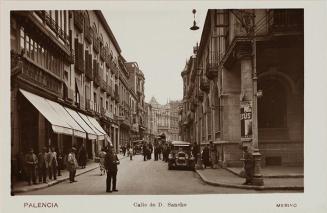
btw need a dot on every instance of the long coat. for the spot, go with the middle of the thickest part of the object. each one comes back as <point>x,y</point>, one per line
<point>71,162</point>
<point>111,162</point>
<point>206,156</point>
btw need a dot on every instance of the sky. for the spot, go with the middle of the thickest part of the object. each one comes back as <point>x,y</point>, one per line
<point>160,41</point>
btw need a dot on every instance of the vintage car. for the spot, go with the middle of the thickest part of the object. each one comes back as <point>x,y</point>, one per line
<point>180,155</point>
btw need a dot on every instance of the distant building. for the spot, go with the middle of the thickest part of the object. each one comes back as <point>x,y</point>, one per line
<point>166,118</point>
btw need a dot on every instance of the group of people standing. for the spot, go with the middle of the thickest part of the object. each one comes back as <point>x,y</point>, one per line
<point>210,156</point>
<point>46,165</point>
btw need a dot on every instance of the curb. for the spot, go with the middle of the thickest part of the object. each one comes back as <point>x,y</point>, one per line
<point>52,183</point>
<point>204,179</point>
<point>268,176</point>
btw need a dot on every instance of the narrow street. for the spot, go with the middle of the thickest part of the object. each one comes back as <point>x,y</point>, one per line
<point>138,177</point>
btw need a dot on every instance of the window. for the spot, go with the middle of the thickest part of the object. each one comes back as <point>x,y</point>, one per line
<point>22,39</point>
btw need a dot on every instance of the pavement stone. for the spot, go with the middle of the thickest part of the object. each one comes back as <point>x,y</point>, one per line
<point>223,177</point>
<point>23,187</point>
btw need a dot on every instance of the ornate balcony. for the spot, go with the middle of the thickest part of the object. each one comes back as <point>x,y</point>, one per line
<point>204,85</point>
<point>79,20</point>
<point>88,32</point>
<point>102,53</point>
<point>96,44</point>
<point>103,85</point>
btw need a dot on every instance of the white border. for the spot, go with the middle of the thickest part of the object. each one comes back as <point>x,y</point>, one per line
<point>312,200</point>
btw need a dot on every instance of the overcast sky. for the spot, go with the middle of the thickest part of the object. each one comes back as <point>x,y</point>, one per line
<point>160,41</point>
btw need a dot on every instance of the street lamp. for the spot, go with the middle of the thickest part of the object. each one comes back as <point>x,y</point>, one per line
<point>194,27</point>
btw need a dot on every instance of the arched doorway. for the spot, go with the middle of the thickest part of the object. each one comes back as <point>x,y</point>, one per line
<point>272,106</point>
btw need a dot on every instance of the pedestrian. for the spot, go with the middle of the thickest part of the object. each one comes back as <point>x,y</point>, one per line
<point>144,150</point>
<point>102,156</point>
<point>248,166</point>
<point>60,160</point>
<point>82,156</point>
<point>53,163</point>
<point>124,150</point>
<point>72,165</point>
<point>213,155</point>
<point>150,151</point>
<point>206,156</point>
<point>31,162</point>
<point>43,166</point>
<point>195,151</point>
<point>130,153</point>
<point>111,162</point>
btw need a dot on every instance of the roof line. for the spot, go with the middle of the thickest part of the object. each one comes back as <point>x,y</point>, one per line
<point>107,28</point>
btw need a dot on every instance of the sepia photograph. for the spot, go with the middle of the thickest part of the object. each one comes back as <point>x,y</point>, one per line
<point>79,109</point>
<point>184,103</point>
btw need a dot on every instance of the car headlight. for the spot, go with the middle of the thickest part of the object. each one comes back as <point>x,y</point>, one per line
<point>170,156</point>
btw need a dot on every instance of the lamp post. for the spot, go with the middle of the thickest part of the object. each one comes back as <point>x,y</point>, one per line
<point>247,20</point>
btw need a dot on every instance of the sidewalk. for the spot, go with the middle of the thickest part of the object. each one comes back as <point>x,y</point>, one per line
<point>20,187</point>
<point>226,178</point>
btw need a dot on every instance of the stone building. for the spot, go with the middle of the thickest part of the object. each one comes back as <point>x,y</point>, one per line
<point>165,119</point>
<point>240,72</point>
<point>136,84</point>
<point>69,82</point>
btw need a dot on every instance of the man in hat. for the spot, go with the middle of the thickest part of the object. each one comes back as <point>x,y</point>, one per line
<point>31,163</point>
<point>111,162</point>
<point>43,165</point>
<point>72,165</point>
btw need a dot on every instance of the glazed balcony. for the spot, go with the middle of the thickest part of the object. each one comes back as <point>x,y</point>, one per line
<point>27,70</point>
<point>285,21</point>
<point>212,65</point>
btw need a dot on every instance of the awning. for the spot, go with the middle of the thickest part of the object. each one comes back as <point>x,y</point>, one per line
<point>91,134</point>
<point>96,124</point>
<point>93,127</point>
<point>58,124</point>
<point>78,131</point>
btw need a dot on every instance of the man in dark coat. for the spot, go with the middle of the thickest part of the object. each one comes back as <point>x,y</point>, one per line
<point>248,166</point>
<point>145,151</point>
<point>110,163</point>
<point>31,164</point>
<point>206,156</point>
<point>43,165</point>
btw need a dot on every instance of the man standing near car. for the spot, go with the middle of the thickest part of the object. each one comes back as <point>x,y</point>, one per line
<point>111,162</point>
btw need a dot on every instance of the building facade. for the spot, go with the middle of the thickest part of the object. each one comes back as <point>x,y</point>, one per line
<point>165,119</point>
<point>69,83</point>
<point>245,83</point>
<point>136,84</point>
